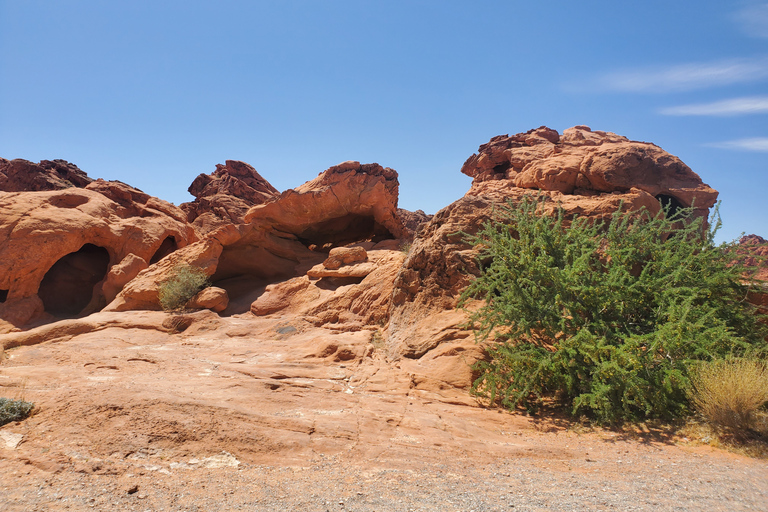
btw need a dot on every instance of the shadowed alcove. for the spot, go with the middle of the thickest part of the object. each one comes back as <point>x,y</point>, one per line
<point>67,287</point>
<point>168,246</point>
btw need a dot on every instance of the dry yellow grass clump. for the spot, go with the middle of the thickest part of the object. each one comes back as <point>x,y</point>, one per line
<point>730,393</point>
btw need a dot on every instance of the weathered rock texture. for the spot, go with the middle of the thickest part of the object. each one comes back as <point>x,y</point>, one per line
<point>283,239</point>
<point>24,176</point>
<point>57,247</point>
<point>226,195</point>
<point>586,163</point>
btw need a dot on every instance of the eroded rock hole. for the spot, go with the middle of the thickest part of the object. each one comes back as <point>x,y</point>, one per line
<point>502,168</point>
<point>168,246</point>
<point>332,283</point>
<point>67,287</point>
<point>670,204</point>
<point>3,295</point>
<point>348,229</point>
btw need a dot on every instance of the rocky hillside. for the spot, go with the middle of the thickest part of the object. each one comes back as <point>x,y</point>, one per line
<point>330,331</point>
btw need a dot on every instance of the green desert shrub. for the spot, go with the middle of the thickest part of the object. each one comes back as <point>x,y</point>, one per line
<point>607,317</point>
<point>730,392</point>
<point>183,284</point>
<point>14,410</point>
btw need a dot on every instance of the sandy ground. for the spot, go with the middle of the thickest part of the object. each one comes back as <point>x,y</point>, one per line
<point>244,415</point>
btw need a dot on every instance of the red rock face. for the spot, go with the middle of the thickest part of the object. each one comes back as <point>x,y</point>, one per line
<point>226,195</point>
<point>57,247</point>
<point>285,238</point>
<point>23,176</point>
<point>585,163</point>
<point>753,252</point>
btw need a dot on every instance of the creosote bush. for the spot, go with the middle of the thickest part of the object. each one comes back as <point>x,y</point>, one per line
<point>185,282</point>
<point>14,410</point>
<point>606,316</point>
<point>729,393</point>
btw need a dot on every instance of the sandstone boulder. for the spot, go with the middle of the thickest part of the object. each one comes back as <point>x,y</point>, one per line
<point>339,256</point>
<point>213,298</point>
<point>585,162</point>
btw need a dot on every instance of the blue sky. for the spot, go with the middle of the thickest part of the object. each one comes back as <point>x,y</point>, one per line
<point>155,93</point>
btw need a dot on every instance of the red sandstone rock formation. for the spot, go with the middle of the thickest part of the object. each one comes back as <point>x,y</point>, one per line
<point>24,176</point>
<point>285,238</point>
<point>330,253</point>
<point>226,195</point>
<point>57,247</point>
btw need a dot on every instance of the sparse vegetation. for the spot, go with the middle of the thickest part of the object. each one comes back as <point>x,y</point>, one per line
<point>14,410</point>
<point>608,317</point>
<point>377,339</point>
<point>185,282</point>
<point>730,394</point>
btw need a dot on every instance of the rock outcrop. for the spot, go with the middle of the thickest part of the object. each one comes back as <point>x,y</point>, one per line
<point>226,195</point>
<point>586,163</point>
<point>57,247</point>
<point>334,254</point>
<point>753,252</point>
<point>283,239</point>
<point>23,176</point>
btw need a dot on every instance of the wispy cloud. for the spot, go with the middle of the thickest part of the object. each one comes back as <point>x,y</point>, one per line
<point>731,107</point>
<point>686,77</point>
<point>753,144</point>
<point>753,20</point>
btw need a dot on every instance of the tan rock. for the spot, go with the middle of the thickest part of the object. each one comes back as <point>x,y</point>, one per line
<point>344,256</point>
<point>358,270</point>
<point>584,162</point>
<point>279,296</point>
<point>119,275</point>
<point>212,297</point>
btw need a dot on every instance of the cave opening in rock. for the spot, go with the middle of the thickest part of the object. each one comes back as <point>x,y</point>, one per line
<point>168,246</point>
<point>3,295</point>
<point>67,287</point>
<point>340,231</point>
<point>670,204</point>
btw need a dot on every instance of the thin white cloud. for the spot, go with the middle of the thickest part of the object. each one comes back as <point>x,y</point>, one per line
<point>753,20</point>
<point>686,77</point>
<point>753,144</point>
<point>731,107</point>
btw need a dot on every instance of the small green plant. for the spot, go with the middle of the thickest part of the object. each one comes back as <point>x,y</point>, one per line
<point>730,393</point>
<point>14,410</point>
<point>607,316</point>
<point>405,247</point>
<point>185,282</point>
